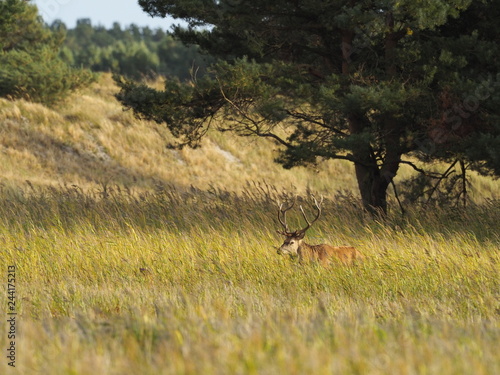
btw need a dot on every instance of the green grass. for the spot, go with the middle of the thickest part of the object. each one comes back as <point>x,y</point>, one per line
<point>188,282</point>
<point>123,267</point>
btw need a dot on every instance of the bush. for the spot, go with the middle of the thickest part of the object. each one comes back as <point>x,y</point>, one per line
<point>30,66</point>
<point>39,76</point>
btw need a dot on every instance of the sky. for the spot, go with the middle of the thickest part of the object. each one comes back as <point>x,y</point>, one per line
<point>103,12</point>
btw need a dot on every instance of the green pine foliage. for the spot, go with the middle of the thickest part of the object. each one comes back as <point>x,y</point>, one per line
<point>30,66</point>
<point>378,83</point>
<point>39,75</point>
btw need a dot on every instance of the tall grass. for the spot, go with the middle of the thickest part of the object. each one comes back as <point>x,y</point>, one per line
<point>188,281</point>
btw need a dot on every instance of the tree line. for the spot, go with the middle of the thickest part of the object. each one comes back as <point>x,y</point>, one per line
<point>132,51</point>
<point>43,63</point>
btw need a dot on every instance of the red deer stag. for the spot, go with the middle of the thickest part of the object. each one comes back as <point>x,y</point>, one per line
<point>294,244</point>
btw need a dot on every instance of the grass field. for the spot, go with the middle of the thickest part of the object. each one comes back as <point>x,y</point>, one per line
<point>190,283</point>
<point>123,268</point>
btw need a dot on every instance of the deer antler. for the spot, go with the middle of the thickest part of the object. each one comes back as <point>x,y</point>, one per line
<point>318,207</point>
<point>282,212</point>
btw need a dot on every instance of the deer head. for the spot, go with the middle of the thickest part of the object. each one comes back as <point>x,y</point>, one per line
<point>293,240</point>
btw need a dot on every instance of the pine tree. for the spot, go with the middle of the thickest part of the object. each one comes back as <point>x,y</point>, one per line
<point>369,81</point>
<point>30,65</point>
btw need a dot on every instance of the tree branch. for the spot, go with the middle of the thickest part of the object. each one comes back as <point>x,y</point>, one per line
<point>422,171</point>
<point>443,176</point>
<point>311,119</point>
<point>256,126</point>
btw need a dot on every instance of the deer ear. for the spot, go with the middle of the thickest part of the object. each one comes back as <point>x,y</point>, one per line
<point>301,235</point>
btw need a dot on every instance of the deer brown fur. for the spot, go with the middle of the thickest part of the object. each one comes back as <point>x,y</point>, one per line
<point>294,244</point>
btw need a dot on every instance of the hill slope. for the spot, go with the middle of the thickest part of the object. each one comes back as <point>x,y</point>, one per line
<point>90,140</point>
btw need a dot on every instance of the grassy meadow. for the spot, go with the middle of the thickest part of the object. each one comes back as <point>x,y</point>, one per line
<point>134,259</point>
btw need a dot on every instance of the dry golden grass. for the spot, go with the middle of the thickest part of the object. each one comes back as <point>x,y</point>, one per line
<point>131,271</point>
<point>89,141</point>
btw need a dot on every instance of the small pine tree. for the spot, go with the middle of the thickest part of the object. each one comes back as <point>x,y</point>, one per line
<point>30,65</point>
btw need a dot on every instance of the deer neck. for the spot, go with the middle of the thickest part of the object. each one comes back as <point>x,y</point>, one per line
<point>307,252</point>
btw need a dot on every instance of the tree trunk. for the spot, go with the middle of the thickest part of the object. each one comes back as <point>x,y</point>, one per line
<point>373,189</point>
<point>374,178</point>
<point>371,183</point>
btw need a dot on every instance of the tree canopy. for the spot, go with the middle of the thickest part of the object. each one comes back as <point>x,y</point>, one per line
<point>370,81</point>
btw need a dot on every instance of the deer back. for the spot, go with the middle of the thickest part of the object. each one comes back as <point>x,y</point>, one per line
<point>326,254</point>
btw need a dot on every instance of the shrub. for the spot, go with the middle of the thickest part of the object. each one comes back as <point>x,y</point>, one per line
<point>30,66</point>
